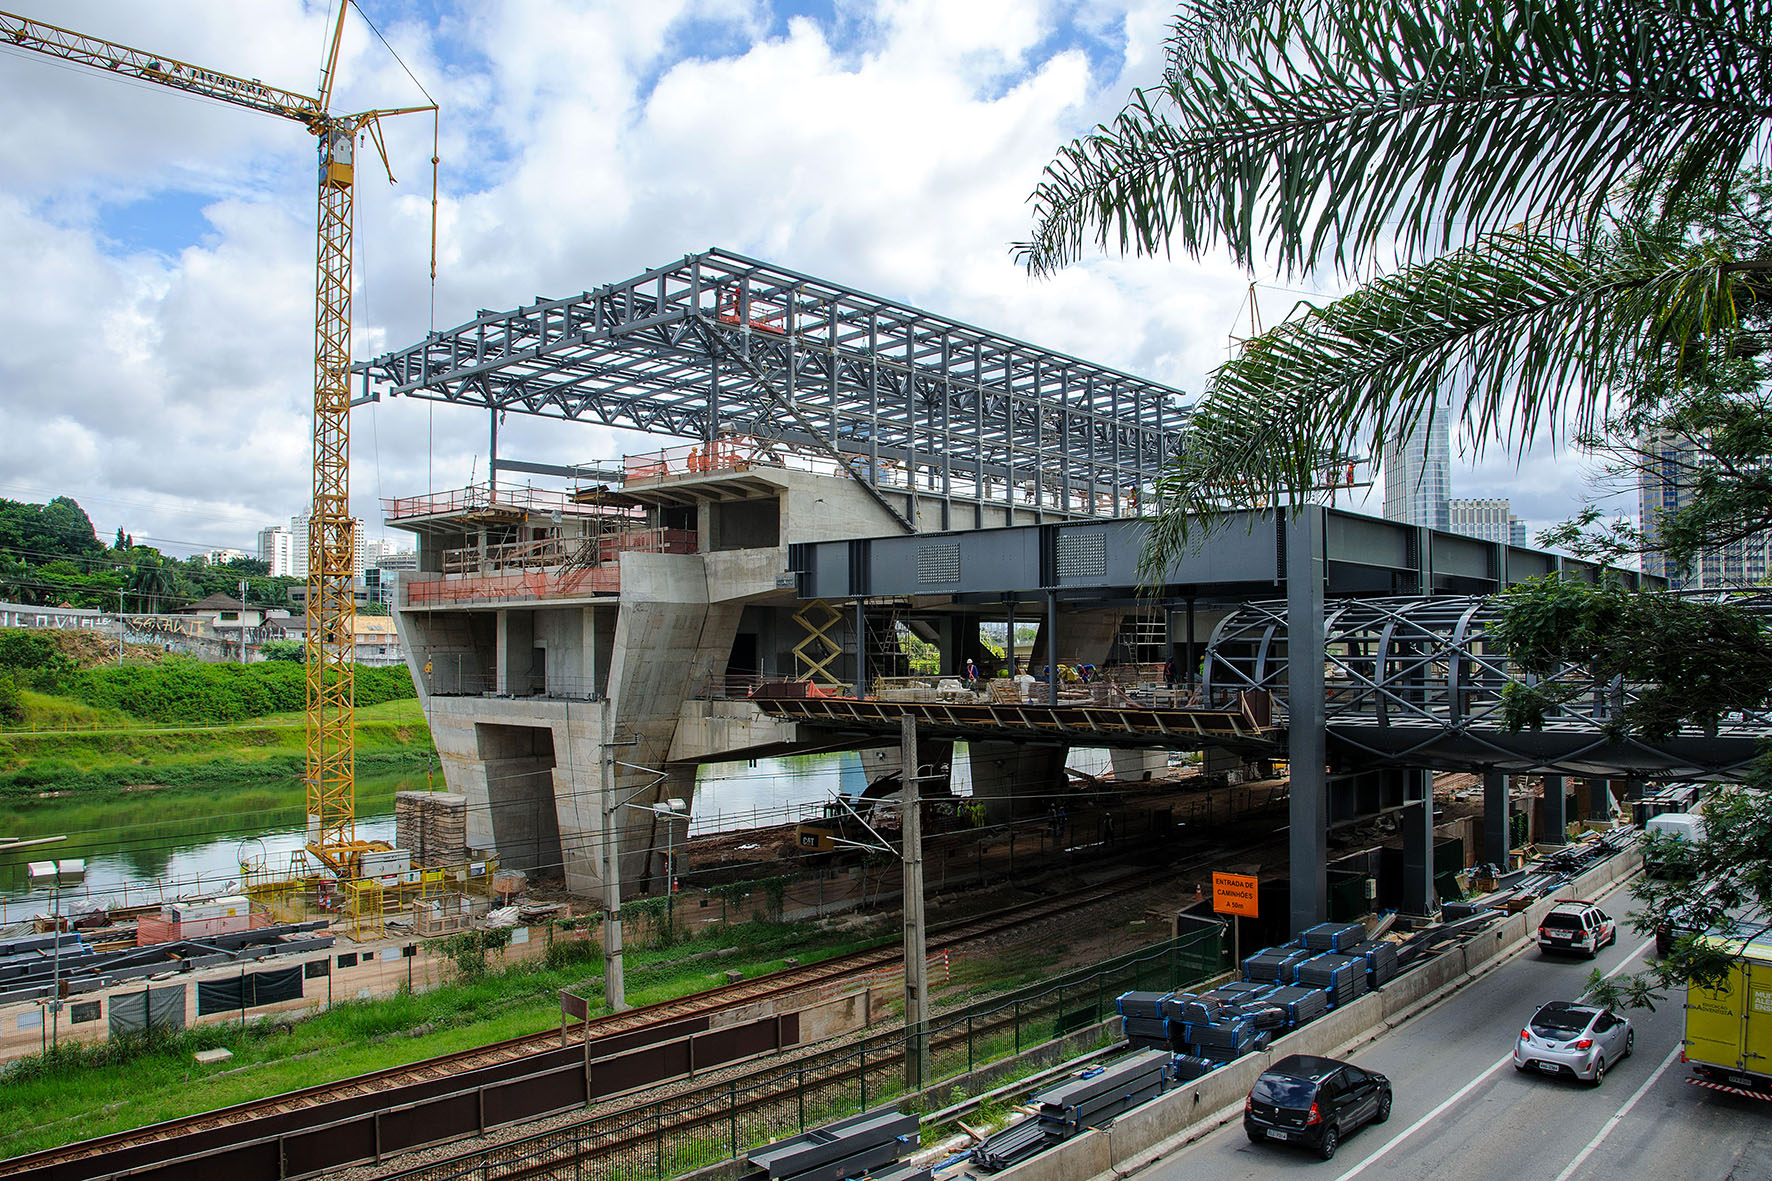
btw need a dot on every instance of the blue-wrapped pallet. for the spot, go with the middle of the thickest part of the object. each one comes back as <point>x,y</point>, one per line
<point>1277,965</point>
<point>1333,936</point>
<point>1140,1004</point>
<point>1300,1004</point>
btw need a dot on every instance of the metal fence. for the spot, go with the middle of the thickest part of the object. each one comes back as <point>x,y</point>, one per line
<point>671,1136</point>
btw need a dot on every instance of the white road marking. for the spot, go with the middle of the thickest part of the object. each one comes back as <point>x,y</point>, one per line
<point>1474,1083</point>
<point>1606,1131</point>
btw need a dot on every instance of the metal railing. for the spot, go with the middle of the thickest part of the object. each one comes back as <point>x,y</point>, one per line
<point>675,1135</point>
<point>486,496</point>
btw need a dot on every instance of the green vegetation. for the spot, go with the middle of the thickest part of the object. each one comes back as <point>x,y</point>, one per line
<point>58,1098</point>
<point>71,749</point>
<point>182,690</point>
<point>50,554</point>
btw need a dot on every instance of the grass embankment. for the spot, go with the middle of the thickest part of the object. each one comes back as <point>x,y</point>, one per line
<point>69,748</point>
<point>85,1090</point>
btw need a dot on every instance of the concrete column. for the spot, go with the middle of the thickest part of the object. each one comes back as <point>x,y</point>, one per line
<point>501,655</point>
<point>1014,778</point>
<point>1555,811</point>
<point>1307,742</point>
<point>916,961</point>
<point>1495,818</point>
<point>1418,841</point>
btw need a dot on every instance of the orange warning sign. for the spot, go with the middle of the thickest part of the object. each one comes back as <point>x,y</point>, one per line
<point>1235,893</point>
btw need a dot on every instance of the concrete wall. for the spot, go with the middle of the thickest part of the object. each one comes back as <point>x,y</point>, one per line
<point>1007,776</point>
<point>1163,1124</point>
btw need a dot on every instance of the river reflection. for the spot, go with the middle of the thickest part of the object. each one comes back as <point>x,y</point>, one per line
<point>143,846</point>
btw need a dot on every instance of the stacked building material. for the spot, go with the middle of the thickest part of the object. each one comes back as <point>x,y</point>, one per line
<point>1186,1067</point>
<point>1342,977</point>
<point>1141,1004</point>
<point>1141,1013</point>
<point>1013,1145</point>
<point>1147,1033</point>
<point>1333,936</point>
<point>1224,1040</point>
<point>1275,965</point>
<point>1381,960</point>
<point>1192,1009</point>
<point>1300,1004</point>
<point>853,1147</point>
<point>1099,1094</point>
<point>432,826</point>
<point>1234,991</point>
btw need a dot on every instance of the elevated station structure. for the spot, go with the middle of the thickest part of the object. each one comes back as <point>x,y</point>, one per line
<point>848,469</point>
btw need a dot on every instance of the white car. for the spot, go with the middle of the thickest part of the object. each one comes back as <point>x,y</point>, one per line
<point>1573,925</point>
<point>1574,1040</point>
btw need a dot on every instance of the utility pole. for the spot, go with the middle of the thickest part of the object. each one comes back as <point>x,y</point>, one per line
<point>119,626</point>
<point>916,961</point>
<point>614,989</point>
<point>242,621</point>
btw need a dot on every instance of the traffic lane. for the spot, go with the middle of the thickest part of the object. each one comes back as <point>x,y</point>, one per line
<point>1507,1122</point>
<point>1679,1130</point>
<point>1428,1059</point>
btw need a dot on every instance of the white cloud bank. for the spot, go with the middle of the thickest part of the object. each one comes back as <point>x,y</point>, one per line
<point>163,377</point>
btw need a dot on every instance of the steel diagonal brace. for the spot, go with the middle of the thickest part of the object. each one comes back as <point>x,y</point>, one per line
<point>717,340</point>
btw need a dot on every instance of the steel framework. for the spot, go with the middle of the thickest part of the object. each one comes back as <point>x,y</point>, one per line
<point>1416,680</point>
<point>718,345</point>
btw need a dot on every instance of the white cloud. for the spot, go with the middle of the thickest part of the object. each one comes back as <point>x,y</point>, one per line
<point>169,387</point>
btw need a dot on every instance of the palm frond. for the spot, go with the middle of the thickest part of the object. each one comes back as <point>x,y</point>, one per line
<point>1320,130</point>
<point>1531,330</point>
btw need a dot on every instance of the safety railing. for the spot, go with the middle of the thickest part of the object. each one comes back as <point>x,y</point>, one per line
<point>677,1135</point>
<point>485,496</point>
<point>444,681</point>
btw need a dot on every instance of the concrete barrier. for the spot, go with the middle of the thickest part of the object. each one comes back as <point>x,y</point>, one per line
<point>1154,1129</point>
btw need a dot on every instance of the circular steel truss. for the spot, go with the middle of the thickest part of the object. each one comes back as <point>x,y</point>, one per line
<point>1417,681</point>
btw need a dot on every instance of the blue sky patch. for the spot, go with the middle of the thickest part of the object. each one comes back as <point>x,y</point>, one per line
<point>162,223</point>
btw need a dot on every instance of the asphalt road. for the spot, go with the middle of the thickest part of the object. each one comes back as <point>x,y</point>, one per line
<point>1461,1110</point>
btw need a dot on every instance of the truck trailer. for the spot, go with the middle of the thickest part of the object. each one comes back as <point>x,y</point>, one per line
<point>1728,1039</point>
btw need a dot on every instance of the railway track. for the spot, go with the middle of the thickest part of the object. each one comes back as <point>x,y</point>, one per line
<point>317,1099</point>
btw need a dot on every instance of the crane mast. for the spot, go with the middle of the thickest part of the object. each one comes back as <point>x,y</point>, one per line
<point>330,609</point>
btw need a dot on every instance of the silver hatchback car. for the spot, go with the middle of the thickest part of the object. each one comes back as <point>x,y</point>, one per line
<point>1566,1038</point>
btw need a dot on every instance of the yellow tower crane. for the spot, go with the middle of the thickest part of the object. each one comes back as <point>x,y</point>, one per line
<point>331,720</point>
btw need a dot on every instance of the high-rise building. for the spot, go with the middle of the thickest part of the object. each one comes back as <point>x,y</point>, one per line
<point>1664,487</point>
<point>298,526</point>
<point>1491,520</point>
<point>276,549</point>
<point>1418,473</point>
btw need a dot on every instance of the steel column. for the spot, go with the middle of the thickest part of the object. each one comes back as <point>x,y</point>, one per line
<point>1418,841</point>
<point>1495,818</point>
<point>1555,827</point>
<point>1307,752</point>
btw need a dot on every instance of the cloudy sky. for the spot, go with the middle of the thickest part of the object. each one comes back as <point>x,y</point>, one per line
<point>158,300</point>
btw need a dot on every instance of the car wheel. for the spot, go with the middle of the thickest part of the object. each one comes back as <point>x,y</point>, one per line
<point>1384,1106</point>
<point>1331,1141</point>
<point>1630,1042</point>
<point>1599,1071</point>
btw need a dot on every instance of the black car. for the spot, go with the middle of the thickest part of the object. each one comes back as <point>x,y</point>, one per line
<point>1314,1102</point>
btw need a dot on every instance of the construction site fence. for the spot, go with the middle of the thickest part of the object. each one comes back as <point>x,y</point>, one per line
<point>675,1135</point>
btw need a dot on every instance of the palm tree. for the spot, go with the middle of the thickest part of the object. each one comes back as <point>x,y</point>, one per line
<point>152,580</point>
<point>1516,157</point>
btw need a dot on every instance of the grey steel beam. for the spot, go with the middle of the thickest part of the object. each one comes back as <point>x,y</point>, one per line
<point>1495,819</point>
<point>1418,841</point>
<point>1555,820</point>
<point>1307,752</point>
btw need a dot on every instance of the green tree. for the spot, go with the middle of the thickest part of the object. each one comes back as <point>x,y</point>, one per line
<point>1522,153</point>
<point>283,650</point>
<point>151,579</point>
<point>1581,255</point>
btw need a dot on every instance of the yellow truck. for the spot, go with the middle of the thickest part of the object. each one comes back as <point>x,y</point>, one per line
<point>1729,1030</point>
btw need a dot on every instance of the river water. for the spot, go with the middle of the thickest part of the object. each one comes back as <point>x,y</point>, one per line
<point>143,847</point>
